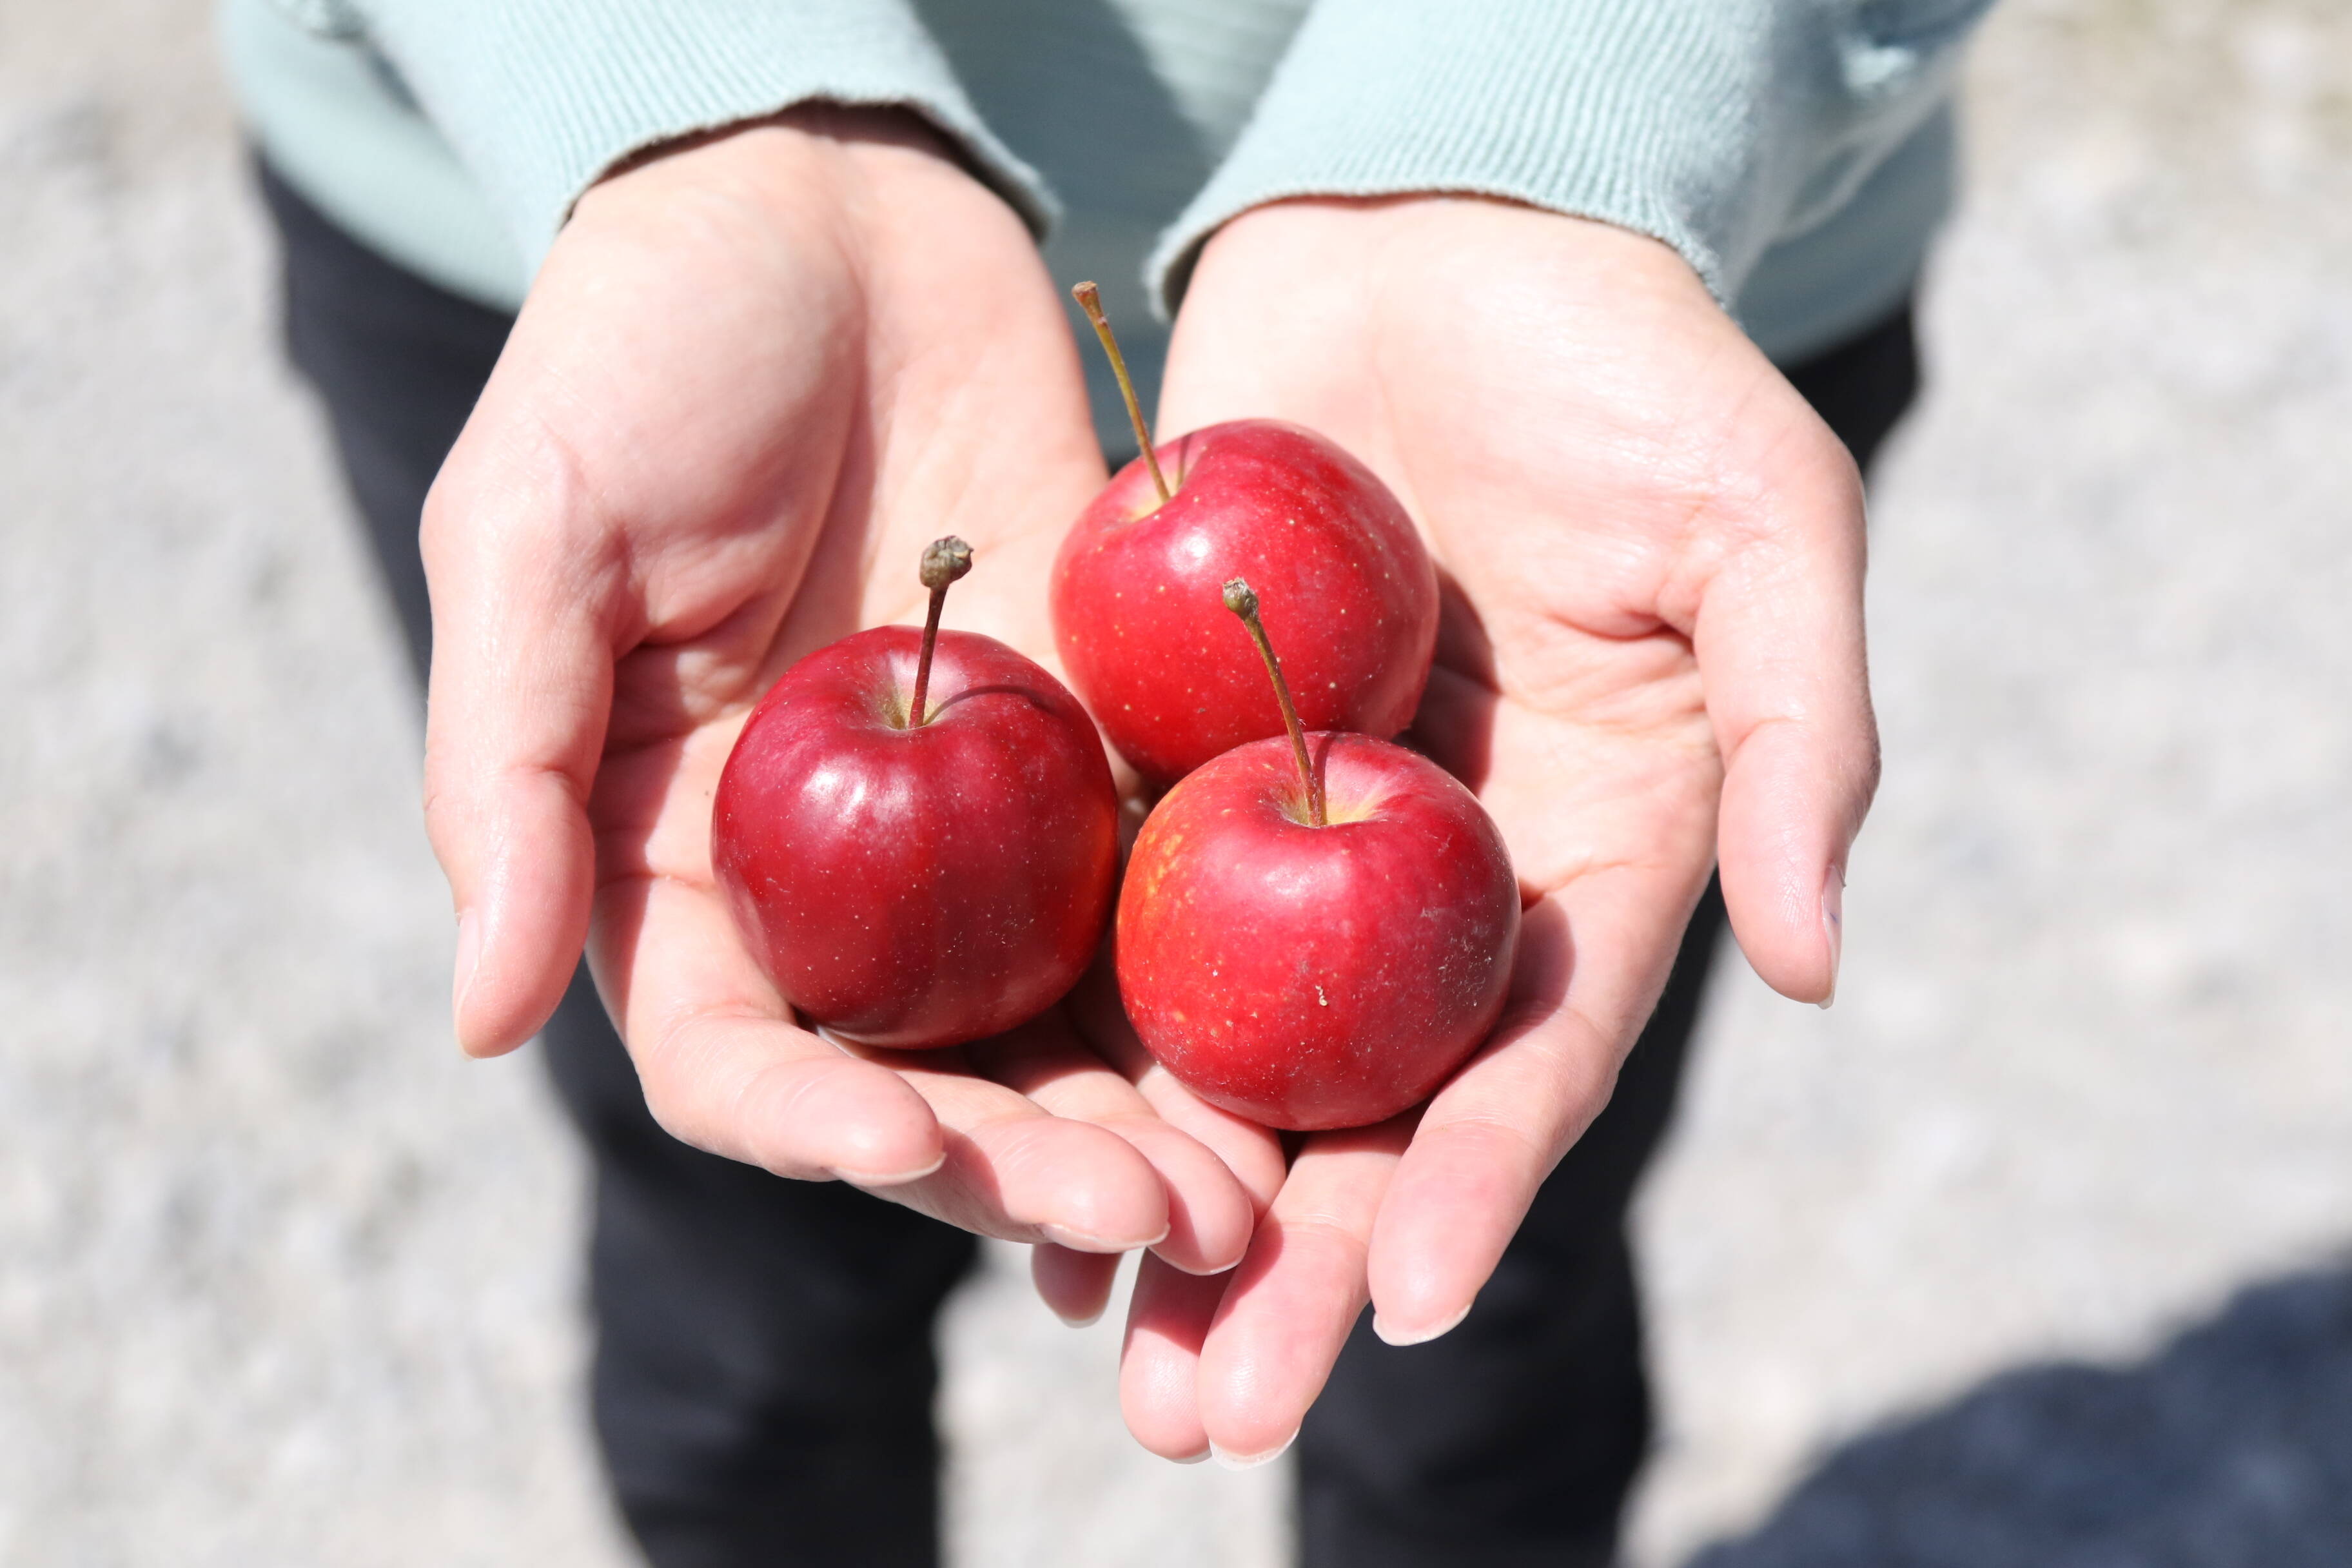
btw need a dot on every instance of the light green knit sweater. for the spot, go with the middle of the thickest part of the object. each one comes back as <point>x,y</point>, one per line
<point>1796,152</point>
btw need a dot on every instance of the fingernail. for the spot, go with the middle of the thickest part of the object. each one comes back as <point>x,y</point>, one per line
<point>469,957</point>
<point>1088,1321</point>
<point>888,1178</point>
<point>1833,925</point>
<point>1252,1461</point>
<point>1401,1337</point>
<point>1079,1241</point>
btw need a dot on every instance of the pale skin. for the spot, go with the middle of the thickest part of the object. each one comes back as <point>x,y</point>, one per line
<point>1652,658</point>
<point>751,383</point>
<point>757,375</point>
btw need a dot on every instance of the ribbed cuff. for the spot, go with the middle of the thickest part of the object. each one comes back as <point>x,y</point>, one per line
<point>541,98</point>
<point>1709,124</point>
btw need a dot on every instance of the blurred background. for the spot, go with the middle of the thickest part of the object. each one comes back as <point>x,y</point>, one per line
<point>2037,1248</point>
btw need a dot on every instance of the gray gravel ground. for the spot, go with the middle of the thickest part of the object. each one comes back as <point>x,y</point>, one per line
<point>2033,1250</point>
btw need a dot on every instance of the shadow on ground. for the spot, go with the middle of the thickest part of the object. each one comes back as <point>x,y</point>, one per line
<point>2231,1446</point>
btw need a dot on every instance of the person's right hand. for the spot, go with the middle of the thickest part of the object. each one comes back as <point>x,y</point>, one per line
<point>753,378</point>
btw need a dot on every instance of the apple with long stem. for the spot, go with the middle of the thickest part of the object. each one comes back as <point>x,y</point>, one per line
<point>1134,589</point>
<point>918,832</point>
<point>1315,930</point>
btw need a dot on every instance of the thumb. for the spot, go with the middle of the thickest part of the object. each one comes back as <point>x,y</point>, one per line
<point>517,707</point>
<point>1780,641</point>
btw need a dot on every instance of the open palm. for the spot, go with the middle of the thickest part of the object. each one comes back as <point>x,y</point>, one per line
<point>753,379</point>
<point>1650,657</point>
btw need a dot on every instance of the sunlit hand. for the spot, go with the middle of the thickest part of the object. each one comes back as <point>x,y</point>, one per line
<point>1652,659</point>
<point>754,378</point>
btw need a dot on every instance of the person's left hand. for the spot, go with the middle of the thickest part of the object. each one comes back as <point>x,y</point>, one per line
<point>1651,654</point>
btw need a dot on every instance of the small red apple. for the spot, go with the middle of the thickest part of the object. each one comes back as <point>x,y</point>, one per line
<point>1315,940</point>
<point>1173,681</point>
<point>918,832</point>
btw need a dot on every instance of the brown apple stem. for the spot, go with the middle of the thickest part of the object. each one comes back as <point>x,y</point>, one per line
<point>945,561</point>
<point>1089,299</point>
<point>1242,600</point>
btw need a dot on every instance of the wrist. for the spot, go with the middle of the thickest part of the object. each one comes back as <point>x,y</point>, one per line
<point>822,155</point>
<point>1454,241</point>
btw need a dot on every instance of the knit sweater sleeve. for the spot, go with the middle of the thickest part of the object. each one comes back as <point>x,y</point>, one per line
<point>1718,126</point>
<point>541,98</point>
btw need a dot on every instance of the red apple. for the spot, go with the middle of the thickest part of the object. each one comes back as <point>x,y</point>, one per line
<point>922,883</point>
<point>1169,676</point>
<point>1315,968</point>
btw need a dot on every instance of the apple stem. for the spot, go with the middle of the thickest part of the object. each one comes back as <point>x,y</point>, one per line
<point>945,561</point>
<point>1242,600</point>
<point>1089,299</point>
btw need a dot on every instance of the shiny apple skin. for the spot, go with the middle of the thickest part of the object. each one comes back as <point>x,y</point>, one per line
<point>918,887</point>
<point>1346,589</point>
<point>1316,977</point>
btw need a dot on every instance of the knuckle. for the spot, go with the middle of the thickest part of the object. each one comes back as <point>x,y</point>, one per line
<point>511,484</point>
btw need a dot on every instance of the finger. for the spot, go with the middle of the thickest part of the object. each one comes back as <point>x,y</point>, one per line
<point>1076,1286</point>
<point>1779,635</point>
<point>1252,1153</point>
<point>1591,964</point>
<point>1014,1171</point>
<point>1168,1317</point>
<point>723,1070</point>
<point>762,1092</point>
<point>1209,1212</point>
<point>520,690</point>
<point>722,1066</point>
<point>1291,1304</point>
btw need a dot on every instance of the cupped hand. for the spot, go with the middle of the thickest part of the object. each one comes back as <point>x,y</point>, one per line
<point>1651,659</point>
<point>755,376</point>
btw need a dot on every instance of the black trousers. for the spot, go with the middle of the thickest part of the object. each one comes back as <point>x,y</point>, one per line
<point>764,1371</point>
